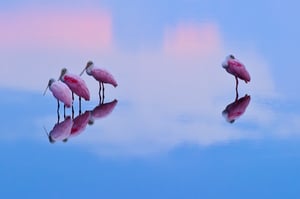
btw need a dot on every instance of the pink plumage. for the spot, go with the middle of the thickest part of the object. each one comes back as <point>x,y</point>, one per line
<point>61,131</point>
<point>104,110</point>
<point>101,75</point>
<point>60,91</point>
<point>236,68</point>
<point>236,109</point>
<point>80,123</point>
<point>76,84</point>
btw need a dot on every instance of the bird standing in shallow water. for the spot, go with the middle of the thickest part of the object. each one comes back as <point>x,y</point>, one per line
<point>76,84</point>
<point>237,69</point>
<point>61,92</point>
<point>101,75</point>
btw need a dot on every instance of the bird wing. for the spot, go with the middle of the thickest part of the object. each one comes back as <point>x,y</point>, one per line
<point>104,109</point>
<point>104,76</point>
<point>77,85</point>
<point>62,92</point>
<point>80,123</point>
<point>62,130</point>
<point>238,69</point>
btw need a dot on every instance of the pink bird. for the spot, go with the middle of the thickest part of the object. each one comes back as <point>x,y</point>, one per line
<point>102,110</point>
<point>76,84</point>
<point>61,131</point>
<point>236,109</point>
<point>61,92</point>
<point>101,75</point>
<point>237,69</point>
<point>80,123</point>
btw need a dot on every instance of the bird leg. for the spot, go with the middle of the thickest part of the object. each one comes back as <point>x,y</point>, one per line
<point>57,111</point>
<point>72,111</point>
<point>64,111</point>
<point>72,97</point>
<point>100,90</point>
<point>236,84</point>
<point>236,95</point>
<point>103,91</point>
<point>79,105</point>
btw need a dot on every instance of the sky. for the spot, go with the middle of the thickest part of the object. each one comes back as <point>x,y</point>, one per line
<point>172,90</point>
<point>54,32</point>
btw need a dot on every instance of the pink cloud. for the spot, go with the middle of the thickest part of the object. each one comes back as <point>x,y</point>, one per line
<point>56,28</point>
<point>190,39</point>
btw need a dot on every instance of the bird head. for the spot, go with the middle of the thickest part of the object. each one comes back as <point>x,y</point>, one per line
<point>49,84</point>
<point>89,64</point>
<point>88,67</point>
<point>62,73</point>
<point>51,81</point>
<point>51,140</point>
<point>231,56</point>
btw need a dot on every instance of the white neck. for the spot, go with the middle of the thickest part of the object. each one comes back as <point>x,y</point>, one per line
<point>89,69</point>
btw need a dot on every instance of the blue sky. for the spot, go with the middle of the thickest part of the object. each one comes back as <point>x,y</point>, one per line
<point>267,27</point>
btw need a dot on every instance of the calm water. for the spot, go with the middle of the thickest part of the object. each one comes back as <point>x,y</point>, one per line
<point>150,148</point>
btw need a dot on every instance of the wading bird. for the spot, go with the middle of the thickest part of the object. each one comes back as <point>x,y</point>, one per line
<point>102,111</point>
<point>101,75</point>
<point>61,92</point>
<point>237,69</point>
<point>79,123</point>
<point>61,131</point>
<point>237,108</point>
<point>76,84</point>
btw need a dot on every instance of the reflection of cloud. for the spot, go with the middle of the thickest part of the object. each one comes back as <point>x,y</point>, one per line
<point>165,87</point>
<point>56,28</point>
<point>144,132</point>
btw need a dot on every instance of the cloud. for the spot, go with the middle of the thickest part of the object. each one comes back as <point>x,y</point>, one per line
<point>53,28</point>
<point>176,93</point>
<point>192,39</point>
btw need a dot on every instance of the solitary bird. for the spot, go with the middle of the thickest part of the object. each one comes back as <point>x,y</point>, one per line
<point>76,84</point>
<point>61,92</point>
<point>237,69</point>
<point>101,75</point>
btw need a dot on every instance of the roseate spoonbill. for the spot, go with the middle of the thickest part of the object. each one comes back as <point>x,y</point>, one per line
<point>61,131</point>
<point>237,69</point>
<point>61,92</point>
<point>76,84</point>
<point>102,110</point>
<point>79,123</point>
<point>234,110</point>
<point>101,75</point>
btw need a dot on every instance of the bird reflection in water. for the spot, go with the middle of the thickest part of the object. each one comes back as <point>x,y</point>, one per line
<point>61,130</point>
<point>237,108</point>
<point>102,110</point>
<point>72,127</point>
